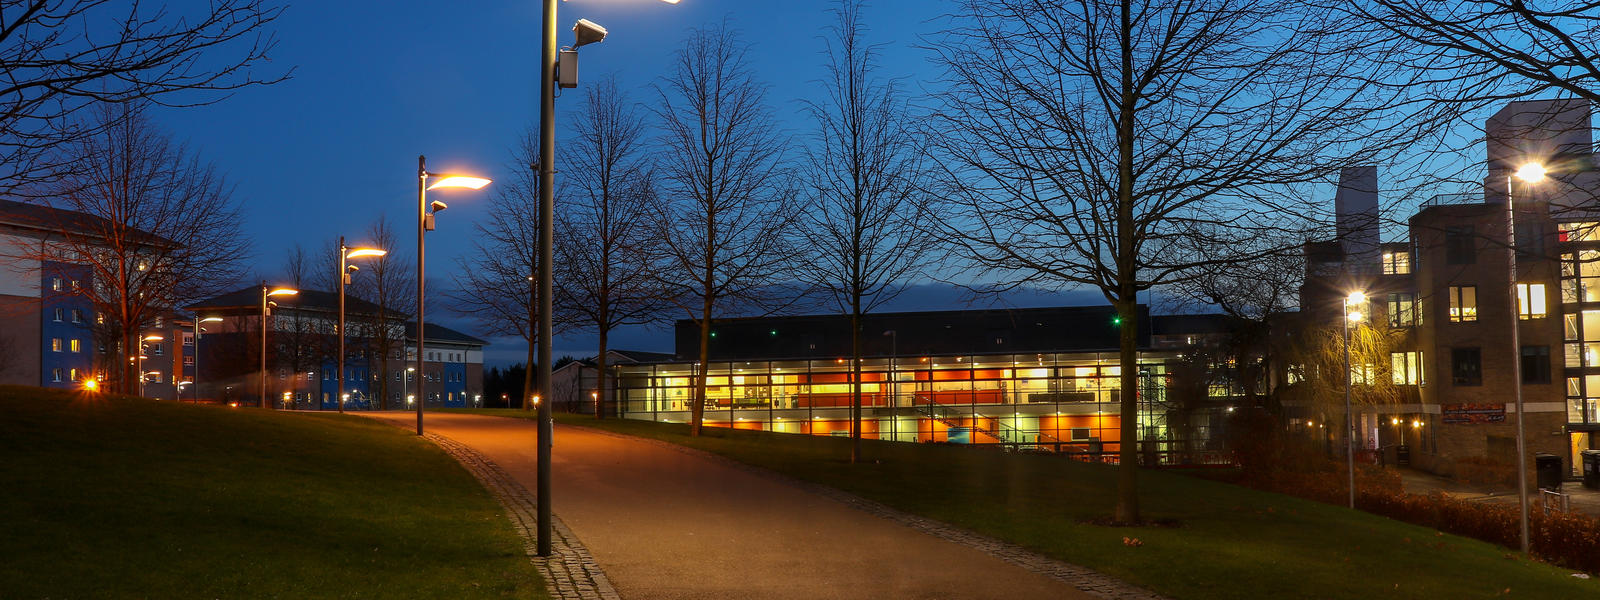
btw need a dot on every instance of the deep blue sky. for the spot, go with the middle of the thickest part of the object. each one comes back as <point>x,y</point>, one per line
<point>377,83</point>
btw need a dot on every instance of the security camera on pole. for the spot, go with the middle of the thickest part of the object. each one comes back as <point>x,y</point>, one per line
<point>566,64</point>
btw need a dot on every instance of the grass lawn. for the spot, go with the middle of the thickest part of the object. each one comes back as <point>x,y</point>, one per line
<point>110,497</point>
<point>1232,542</point>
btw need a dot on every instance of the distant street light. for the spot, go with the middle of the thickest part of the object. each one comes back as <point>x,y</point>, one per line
<point>425,217</point>
<point>345,271</point>
<point>143,344</point>
<point>1355,299</point>
<point>1530,173</point>
<point>197,331</point>
<point>266,302</point>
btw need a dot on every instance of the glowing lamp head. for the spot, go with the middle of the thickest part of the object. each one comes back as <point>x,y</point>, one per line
<point>282,292</point>
<point>211,320</point>
<point>364,252</point>
<point>1356,298</point>
<point>459,181</point>
<point>153,338</point>
<point>1531,172</point>
<point>91,385</point>
<point>1356,317</point>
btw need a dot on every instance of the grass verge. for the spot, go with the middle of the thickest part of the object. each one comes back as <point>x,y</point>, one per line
<point>110,497</point>
<point>1232,542</point>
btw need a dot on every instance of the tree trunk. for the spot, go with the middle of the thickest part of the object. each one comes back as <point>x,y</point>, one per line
<point>697,410</point>
<point>600,376</point>
<point>529,386</point>
<point>855,381</point>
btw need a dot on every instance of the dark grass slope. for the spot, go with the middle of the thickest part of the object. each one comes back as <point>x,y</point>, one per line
<point>110,497</point>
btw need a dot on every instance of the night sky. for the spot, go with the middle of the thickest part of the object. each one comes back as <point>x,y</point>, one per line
<point>377,83</point>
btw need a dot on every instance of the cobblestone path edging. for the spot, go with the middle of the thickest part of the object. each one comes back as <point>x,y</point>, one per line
<point>570,571</point>
<point>1082,578</point>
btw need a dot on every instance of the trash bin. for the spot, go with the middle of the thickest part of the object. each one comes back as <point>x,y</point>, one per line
<point>1591,469</point>
<point>1548,467</point>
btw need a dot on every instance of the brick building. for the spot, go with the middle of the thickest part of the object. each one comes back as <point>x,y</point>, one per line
<point>1446,289</point>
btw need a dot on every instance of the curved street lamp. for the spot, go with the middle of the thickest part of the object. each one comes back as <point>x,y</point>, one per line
<point>425,218</point>
<point>195,376</point>
<point>345,271</point>
<point>266,295</point>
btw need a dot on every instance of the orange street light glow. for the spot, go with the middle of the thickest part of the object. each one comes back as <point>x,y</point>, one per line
<point>211,319</point>
<point>283,292</point>
<point>1531,172</point>
<point>153,338</point>
<point>459,181</point>
<point>91,385</point>
<point>361,252</point>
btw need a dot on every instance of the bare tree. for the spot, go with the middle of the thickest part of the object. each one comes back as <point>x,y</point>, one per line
<point>496,287</point>
<point>389,283</point>
<point>727,212</point>
<point>302,334</point>
<point>60,57</point>
<point>1497,48</point>
<point>605,245</point>
<point>161,227</point>
<point>1095,143</point>
<point>864,181</point>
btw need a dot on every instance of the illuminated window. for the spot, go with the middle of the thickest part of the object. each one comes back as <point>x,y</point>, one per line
<point>72,375</point>
<point>1463,303</point>
<point>55,285</point>
<point>1578,232</point>
<point>1531,301</point>
<point>55,345</point>
<point>1404,310</point>
<point>76,347</point>
<point>1396,263</point>
<point>1406,367</point>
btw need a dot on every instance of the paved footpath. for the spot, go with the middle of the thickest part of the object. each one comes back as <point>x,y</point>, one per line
<point>665,522</point>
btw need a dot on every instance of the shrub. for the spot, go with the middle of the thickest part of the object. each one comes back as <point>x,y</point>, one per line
<point>1569,540</point>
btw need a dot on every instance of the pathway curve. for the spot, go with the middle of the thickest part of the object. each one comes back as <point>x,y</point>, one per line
<point>665,522</point>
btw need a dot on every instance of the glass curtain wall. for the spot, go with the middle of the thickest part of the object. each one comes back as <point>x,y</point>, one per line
<point>1048,402</point>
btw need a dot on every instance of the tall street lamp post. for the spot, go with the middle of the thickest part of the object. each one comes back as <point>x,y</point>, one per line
<point>1530,173</point>
<point>144,344</point>
<point>195,377</point>
<point>345,270</point>
<point>1355,299</point>
<point>425,218</point>
<point>586,32</point>
<point>266,295</point>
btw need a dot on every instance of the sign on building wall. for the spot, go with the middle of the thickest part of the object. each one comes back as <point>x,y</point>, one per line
<point>1473,413</point>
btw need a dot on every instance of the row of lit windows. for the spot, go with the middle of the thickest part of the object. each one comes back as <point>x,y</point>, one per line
<point>1532,302</point>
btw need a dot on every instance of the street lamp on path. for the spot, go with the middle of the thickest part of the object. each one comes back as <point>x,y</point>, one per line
<point>1356,299</point>
<point>195,377</point>
<point>585,32</point>
<point>425,218</point>
<point>1530,173</point>
<point>266,295</point>
<point>144,343</point>
<point>345,271</point>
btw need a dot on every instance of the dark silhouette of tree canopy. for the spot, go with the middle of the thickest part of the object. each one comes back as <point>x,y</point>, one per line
<point>864,181</point>
<point>605,243</point>
<point>61,57</point>
<point>163,228</point>
<point>1099,143</point>
<point>725,237</point>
